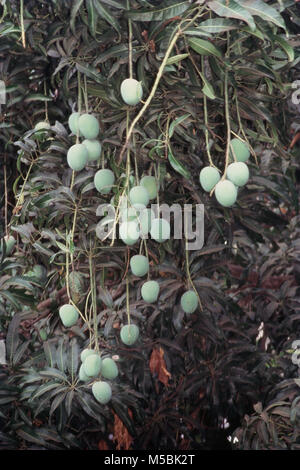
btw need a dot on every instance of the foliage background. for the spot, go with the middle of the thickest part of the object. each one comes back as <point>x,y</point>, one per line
<point>186,375</point>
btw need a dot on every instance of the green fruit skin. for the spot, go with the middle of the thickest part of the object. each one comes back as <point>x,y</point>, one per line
<point>82,374</point>
<point>139,265</point>
<point>92,365</point>
<point>104,180</point>
<point>189,301</point>
<point>145,219</point>
<point>129,334</point>
<point>129,232</point>
<point>238,173</point>
<point>209,177</point>
<point>88,126</point>
<point>85,353</point>
<point>150,291</point>
<point>10,242</point>
<point>240,150</point>
<point>102,392</point>
<point>160,230</point>
<point>139,195</point>
<point>129,214</point>
<point>151,184</point>
<point>226,193</point>
<point>109,369</point>
<point>77,157</point>
<point>131,91</point>
<point>68,315</point>
<point>73,123</point>
<point>94,148</point>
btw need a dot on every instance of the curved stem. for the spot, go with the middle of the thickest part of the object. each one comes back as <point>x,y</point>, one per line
<point>85,95</point>
<point>22,23</point>
<point>188,273</point>
<point>206,121</point>
<point>156,82</point>
<point>227,118</point>
<point>94,300</point>
<point>79,101</point>
<point>129,43</point>
<point>127,301</point>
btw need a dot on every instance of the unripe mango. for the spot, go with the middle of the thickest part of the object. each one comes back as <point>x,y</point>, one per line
<point>92,365</point>
<point>102,392</point>
<point>109,369</point>
<point>73,123</point>
<point>189,301</point>
<point>145,218</point>
<point>129,334</point>
<point>139,265</point>
<point>238,173</point>
<point>239,149</point>
<point>82,374</point>
<point>129,232</point>
<point>88,126</point>
<point>160,230</point>
<point>150,291</point>
<point>85,353</point>
<point>77,157</point>
<point>104,180</point>
<point>151,184</point>
<point>139,195</point>
<point>209,177</point>
<point>94,148</point>
<point>128,214</point>
<point>226,193</point>
<point>131,91</point>
<point>68,315</point>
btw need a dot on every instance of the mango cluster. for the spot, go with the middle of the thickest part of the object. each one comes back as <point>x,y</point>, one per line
<point>237,175</point>
<point>85,126</point>
<point>92,367</point>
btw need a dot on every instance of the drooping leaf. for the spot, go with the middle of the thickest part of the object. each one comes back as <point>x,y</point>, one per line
<point>176,122</point>
<point>176,165</point>
<point>289,50</point>
<point>176,58</point>
<point>232,9</point>
<point>216,25</point>
<point>204,47</point>
<point>264,11</point>
<point>168,9</point>
<point>12,337</point>
<point>75,8</point>
<point>106,15</point>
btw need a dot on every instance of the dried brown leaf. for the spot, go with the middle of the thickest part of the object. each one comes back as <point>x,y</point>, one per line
<point>121,434</point>
<point>157,366</point>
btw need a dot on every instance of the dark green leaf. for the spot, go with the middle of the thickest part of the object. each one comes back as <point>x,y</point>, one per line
<point>168,9</point>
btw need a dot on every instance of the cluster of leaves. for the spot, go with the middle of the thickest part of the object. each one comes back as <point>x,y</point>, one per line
<point>186,374</point>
